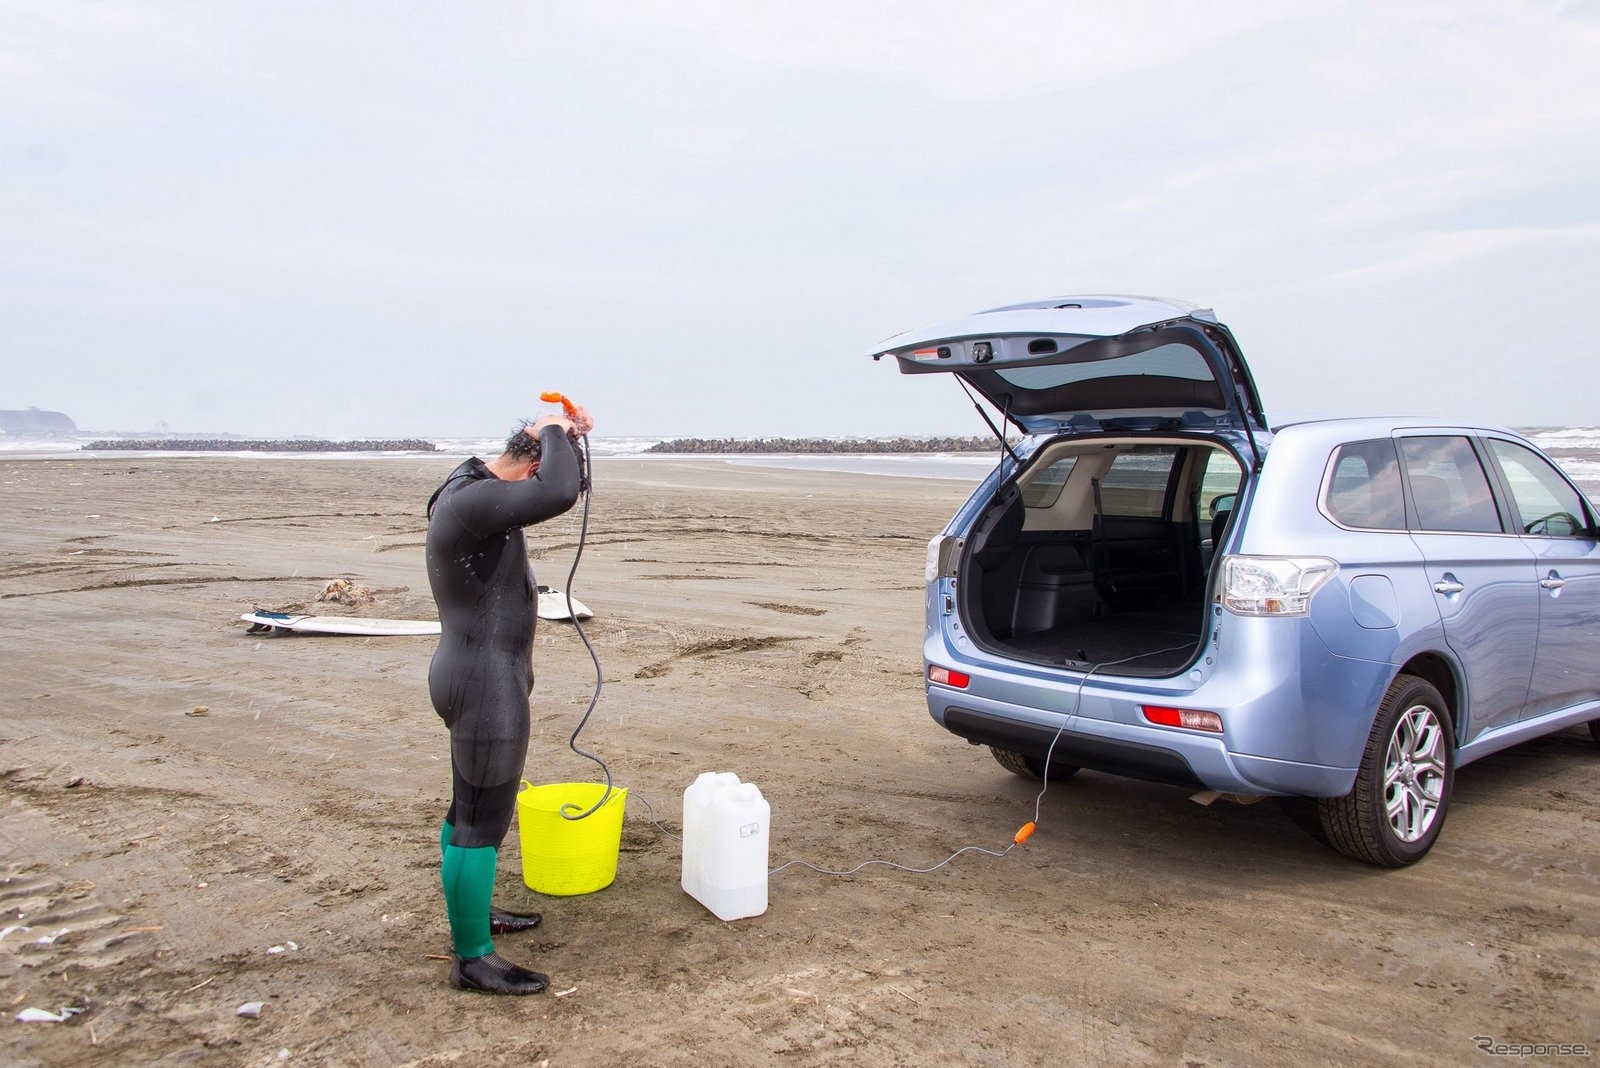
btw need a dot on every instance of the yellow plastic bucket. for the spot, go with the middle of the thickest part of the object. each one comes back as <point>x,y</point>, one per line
<point>563,857</point>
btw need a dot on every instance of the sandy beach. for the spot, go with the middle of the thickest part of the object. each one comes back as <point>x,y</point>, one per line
<point>766,622</point>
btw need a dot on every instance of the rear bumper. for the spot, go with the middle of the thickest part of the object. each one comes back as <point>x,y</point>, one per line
<point>1152,753</point>
<point>1138,760</point>
<point>1295,715</point>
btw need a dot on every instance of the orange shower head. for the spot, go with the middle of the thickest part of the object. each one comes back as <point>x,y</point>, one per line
<point>553,397</point>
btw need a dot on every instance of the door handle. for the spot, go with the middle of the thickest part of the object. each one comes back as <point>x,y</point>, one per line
<point>1448,585</point>
<point>1554,582</point>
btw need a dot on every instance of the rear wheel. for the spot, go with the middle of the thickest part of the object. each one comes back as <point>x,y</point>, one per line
<point>1030,767</point>
<point>1402,790</point>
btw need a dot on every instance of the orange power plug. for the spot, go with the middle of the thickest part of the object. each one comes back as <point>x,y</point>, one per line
<point>1024,832</point>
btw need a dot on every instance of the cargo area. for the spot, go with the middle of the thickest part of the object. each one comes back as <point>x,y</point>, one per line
<point>1099,555</point>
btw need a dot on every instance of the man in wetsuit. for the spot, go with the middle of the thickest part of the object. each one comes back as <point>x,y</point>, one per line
<point>482,673</point>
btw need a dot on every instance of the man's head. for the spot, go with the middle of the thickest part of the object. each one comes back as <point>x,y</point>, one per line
<point>522,446</point>
<point>521,458</point>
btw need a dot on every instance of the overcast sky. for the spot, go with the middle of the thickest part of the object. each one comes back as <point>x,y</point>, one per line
<point>360,219</point>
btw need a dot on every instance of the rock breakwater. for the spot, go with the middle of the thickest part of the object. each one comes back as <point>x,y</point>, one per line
<point>811,446</point>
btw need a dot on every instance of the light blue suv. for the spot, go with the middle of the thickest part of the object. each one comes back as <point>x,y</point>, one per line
<point>1156,584</point>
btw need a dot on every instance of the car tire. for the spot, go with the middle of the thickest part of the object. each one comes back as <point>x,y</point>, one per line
<point>1594,729</point>
<point>1030,767</point>
<point>1402,791</point>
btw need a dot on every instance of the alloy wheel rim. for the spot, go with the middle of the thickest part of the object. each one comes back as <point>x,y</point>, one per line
<point>1414,773</point>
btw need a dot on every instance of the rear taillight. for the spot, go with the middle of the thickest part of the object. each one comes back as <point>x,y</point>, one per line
<point>1188,718</point>
<point>1273,585</point>
<point>946,677</point>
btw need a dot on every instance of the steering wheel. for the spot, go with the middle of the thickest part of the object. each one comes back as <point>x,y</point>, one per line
<point>1558,521</point>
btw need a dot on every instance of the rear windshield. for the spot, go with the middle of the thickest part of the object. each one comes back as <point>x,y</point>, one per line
<point>1165,361</point>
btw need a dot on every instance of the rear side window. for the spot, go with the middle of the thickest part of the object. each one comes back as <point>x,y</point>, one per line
<point>1044,487</point>
<point>1136,484</point>
<point>1448,486</point>
<point>1546,505</point>
<point>1221,479</point>
<point>1364,491</point>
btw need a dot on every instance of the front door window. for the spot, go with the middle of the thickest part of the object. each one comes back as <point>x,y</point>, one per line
<point>1546,503</point>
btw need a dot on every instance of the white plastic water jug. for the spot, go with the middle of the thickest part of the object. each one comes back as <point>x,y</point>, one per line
<point>725,845</point>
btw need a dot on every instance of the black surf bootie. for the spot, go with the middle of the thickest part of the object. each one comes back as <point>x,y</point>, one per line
<point>493,974</point>
<point>503,922</point>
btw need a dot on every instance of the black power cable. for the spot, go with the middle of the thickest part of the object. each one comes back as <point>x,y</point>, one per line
<point>586,485</point>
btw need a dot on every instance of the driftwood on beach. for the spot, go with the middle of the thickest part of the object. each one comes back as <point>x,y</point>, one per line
<point>825,445</point>
<point>259,445</point>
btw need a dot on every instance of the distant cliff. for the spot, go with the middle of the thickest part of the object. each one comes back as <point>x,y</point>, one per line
<point>36,421</point>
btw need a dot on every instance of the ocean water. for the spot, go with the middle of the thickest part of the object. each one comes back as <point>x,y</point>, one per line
<point>1575,448</point>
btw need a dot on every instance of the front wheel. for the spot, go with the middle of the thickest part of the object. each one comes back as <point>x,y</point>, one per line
<point>1393,815</point>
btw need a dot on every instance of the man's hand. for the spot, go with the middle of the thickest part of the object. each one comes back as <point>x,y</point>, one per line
<point>581,418</point>
<point>580,423</point>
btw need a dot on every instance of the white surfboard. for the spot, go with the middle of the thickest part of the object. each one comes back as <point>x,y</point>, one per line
<point>277,623</point>
<point>553,604</point>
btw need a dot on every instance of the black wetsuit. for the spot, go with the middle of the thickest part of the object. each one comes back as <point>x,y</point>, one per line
<point>482,673</point>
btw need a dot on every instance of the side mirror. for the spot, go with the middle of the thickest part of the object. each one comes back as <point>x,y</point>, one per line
<point>1222,502</point>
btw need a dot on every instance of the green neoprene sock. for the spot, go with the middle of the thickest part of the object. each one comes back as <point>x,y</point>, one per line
<point>468,876</point>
